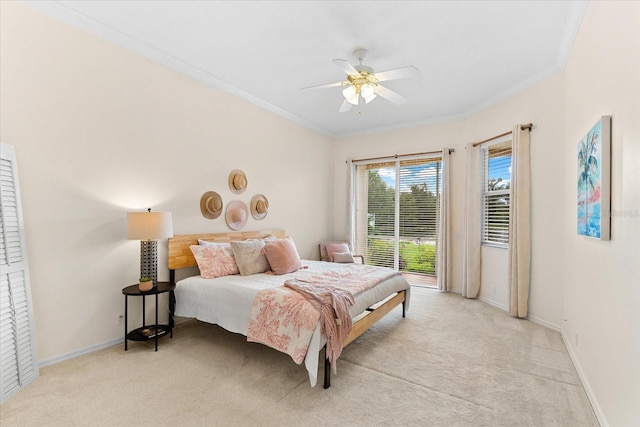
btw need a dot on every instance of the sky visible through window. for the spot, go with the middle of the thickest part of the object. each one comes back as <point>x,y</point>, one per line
<point>409,175</point>
<point>500,169</point>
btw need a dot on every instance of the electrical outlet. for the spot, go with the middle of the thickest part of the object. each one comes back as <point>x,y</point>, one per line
<point>120,319</point>
<point>493,289</point>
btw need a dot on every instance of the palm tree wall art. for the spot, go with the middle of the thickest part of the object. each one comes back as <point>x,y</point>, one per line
<point>594,153</point>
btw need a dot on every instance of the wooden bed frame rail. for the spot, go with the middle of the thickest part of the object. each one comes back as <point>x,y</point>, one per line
<point>364,323</point>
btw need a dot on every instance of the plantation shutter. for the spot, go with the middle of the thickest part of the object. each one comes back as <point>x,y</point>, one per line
<point>17,352</point>
<point>496,181</point>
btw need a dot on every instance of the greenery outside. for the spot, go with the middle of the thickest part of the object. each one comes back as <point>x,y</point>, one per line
<point>417,224</point>
<point>414,257</point>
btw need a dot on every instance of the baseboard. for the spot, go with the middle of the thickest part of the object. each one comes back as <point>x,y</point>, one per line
<point>545,323</point>
<point>585,382</point>
<point>80,352</point>
<point>493,303</point>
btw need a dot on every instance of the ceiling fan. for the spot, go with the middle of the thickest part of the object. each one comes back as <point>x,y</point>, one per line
<point>363,84</point>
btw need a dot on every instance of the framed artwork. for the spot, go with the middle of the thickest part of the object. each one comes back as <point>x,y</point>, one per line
<point>594,181</point>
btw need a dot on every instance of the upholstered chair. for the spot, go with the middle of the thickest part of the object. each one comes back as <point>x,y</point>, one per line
<point>338,251</point>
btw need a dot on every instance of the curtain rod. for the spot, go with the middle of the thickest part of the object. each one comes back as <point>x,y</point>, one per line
<point>397,156</point>
<point>523,127</point>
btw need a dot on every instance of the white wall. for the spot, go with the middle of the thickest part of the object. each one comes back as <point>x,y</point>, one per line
<point>541,105</point>
<point>594,285</point>
<point>602,279</point>
<point>100,131</point>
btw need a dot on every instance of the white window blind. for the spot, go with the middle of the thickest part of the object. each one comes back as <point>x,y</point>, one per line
<point>496,193</point>
<point>375,213</point>
<point>396,218</point>
<point>17,356</point>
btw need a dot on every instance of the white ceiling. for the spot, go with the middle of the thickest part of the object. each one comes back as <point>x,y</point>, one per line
<point>470,54</point>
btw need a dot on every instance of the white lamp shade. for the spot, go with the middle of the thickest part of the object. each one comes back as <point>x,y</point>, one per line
<point>350,93</point>
<point>149,225</point>
<point>369,98</point>
<point>366,91</point>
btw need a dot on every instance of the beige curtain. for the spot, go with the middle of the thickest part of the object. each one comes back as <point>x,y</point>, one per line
<point>444,243</point>
<point>473,218</point>
<point>520,224</point>
<point>349,228</point>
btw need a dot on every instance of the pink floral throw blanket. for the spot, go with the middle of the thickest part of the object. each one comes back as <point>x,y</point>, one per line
<point>285,317</point>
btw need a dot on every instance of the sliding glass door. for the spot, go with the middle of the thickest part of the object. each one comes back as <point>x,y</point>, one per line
<point>395,220</point>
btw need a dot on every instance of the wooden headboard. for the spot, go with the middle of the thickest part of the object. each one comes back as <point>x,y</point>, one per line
<point>180,255</point>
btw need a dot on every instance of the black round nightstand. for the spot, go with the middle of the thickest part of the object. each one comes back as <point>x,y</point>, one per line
<point>154,331</point>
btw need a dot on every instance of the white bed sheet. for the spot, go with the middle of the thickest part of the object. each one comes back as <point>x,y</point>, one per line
<point>227,301</point>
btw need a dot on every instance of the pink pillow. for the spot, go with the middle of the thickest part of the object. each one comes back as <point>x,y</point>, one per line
<point>336,248</point>
<point>282,256</point>
<point>343,257</point>
<point>215,260</point>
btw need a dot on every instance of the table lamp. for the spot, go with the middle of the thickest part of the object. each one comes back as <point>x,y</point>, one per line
<point>148,227</point>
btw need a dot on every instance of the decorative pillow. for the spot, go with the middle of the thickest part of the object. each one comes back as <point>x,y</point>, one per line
<point>282,256</point>
<point>336,247</point>
<point>215,261</point>
<point>344,257</point>
<point>208,243</point>
<point>249,257</point>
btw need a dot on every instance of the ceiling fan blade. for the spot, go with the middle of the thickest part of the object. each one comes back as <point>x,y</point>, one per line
<point>346,106</point>
<point>397,73</point>
<point>324,86</point>
<point>346,67</point>
<point>390,95</point>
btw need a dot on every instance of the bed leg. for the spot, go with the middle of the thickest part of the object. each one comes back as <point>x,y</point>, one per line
<point>404,312</point>
<point>327,370</point>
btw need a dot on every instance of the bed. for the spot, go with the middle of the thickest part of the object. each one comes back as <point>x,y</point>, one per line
<point>228,301</point>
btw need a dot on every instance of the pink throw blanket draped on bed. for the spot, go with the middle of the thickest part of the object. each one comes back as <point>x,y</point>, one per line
<point>333,305</point>
<point>284,318</point>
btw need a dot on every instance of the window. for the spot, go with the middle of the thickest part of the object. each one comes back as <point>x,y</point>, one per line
<point>496,193</point>
<point>396,216</point>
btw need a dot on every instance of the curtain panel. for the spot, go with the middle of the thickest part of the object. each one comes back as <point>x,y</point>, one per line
<point>472,218</point>
<point>520,224</point>
<point>444,258</point>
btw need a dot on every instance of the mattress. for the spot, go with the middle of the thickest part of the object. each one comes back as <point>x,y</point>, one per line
<point>227,301</point>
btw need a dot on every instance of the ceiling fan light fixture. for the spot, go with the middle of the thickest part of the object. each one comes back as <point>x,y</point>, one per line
<point>350,93</point>
<point>362,84</point>
<point>366,90</point>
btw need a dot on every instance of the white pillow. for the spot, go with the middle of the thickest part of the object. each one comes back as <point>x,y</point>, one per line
<point>208,243</point>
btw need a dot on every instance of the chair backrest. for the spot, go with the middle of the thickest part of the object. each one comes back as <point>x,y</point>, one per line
<point>324,256</point>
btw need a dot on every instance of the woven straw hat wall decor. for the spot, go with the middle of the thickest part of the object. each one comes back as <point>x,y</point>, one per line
<point>211,205</point>
<point>236,215</point>
<point>259,206</point>
<point>237,212</point>
<point>237,181</point>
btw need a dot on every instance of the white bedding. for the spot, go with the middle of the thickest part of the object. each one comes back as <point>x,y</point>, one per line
<point>227,301</point>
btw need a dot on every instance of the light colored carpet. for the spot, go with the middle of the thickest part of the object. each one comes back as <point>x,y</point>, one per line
<point>450,362</point>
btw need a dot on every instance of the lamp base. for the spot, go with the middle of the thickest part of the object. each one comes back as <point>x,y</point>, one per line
<point>149,259</point>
